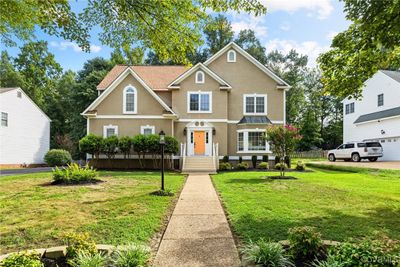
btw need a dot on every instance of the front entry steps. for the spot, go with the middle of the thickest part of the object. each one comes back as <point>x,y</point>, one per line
<point>200,164</point>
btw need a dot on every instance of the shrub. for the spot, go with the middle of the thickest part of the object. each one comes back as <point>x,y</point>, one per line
<point>140,147</point>
<point>91,144</point>
<point>277,160</point>
<point>265,158</point>
<point>264,253</point>
<point>125,145</point>
<point>288,162</point>
<point>305,244</point>
<point>163,193</point>
<point>74,174</point>
<point>57,157</point>
<point>329,262</point>
<point>242,166</point>
<point>78,243</point>
<point>132,256</point>
<point>263,165</point>
<point>22,259</point>
<point>278,166</point>
<point>254,161</point>
<point>368,252</point>
<point>225,159</point>
<point>240,159</point>
<point>109,146</point>
<point>300,166</point>
<point>223,166</point>
<point>84,259</point>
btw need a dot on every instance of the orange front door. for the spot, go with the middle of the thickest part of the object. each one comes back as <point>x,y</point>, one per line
<point>199,143</point>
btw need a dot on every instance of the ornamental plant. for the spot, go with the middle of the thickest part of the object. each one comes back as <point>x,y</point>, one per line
<point>91,144</point>
<point>125,146</point>
<point>109,146</point>
<point>282,140</point>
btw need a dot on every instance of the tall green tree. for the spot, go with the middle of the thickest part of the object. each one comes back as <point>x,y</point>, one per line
<point>248,41</point>
<point>309,129</point>
<point>218,33</point>
<point>9,76</point>
<point>39,70</point>
<point>371,42</point>
<point>127,55</point>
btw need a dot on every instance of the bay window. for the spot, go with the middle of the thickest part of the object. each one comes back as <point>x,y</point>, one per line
<point>251,140</point>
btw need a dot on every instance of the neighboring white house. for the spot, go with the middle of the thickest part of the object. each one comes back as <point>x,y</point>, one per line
<point>377,115</point>
<point>24,129</point>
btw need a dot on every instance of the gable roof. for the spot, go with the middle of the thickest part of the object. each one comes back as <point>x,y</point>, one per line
<point>281,83</point>
<point>156,77</point>
<point>175,83</point>
<point>384,114</point>
<point>4,89</point>
<point>114,84</point>
<point>395,75</point>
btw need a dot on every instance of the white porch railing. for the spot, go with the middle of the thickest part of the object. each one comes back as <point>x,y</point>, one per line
<point>183,155</point>
<point>215,155</point>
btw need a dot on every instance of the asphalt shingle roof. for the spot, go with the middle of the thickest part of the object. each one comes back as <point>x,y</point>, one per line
<point>379,115</point>
<point>395,75</point>
<point>255,120</point>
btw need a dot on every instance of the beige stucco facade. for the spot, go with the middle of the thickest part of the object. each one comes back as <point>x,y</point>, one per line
<point>220,122</point>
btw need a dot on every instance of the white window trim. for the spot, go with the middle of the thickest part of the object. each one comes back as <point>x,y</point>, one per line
<point>196,78</point>
<point>6,120</point>
<point>124,111</point>
<point>209,93</point>
<point>246,141</point>
<point>383,100</point>
<point>110,126</point>
<point>255,95</point>
<point>153,129</point>
<point>234,56</point>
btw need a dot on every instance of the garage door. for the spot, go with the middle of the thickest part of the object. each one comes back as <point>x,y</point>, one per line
<point>391,148</point>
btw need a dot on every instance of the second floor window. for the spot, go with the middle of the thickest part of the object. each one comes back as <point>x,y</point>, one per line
<point>255,104</point>
<point>130,100</point>
<point>4,119</point>
<point>199,102</point>
<point>380,100</point>
<point>349,108</point>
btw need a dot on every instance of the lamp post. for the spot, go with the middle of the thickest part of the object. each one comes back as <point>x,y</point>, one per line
<point>162,144</point>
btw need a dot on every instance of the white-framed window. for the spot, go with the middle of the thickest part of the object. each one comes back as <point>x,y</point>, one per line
<point>130,100</point>
<point>146,130</point>
<point>349,108</point>
<point>251,140</point>
<point>200,77</point>
<point>231,56</point>
<point>199,102</point>
<point>4,119</point>
<point>19,94</point>
<point>255,104</point>
<point>110,130</point>
<point>380,100</point>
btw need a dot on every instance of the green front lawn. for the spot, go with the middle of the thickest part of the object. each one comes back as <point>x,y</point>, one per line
<point>339,204</point>
<point>120,210</point>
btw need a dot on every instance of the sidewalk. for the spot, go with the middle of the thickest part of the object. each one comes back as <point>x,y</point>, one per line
<point>198,233</point>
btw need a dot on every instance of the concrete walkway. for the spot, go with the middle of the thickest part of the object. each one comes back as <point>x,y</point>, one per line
<point>198,233</point>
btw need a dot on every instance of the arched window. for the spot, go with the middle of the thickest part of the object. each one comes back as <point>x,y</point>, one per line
<point>130,100</point>
<point>199,77</point>
<point>231,56</point>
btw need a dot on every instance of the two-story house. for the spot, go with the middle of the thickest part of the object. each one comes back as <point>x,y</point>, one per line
<point>223,104</point>
<point>376,116</point>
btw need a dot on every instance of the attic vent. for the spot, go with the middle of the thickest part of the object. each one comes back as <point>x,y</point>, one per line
<point>231,56</point>
<point>19,94</point>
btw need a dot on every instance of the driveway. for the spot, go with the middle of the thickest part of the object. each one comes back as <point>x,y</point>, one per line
<point>388,165</point>
<point>24,171</point>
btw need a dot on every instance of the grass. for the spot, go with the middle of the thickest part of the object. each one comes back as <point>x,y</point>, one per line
<point>118,211</point>
<point>340,205</point>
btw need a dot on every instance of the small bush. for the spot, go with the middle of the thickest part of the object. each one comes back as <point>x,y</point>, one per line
<point>264,253</point>
<point>329,262</point>
<point>300,166</point>
<point>109,146</point>
<point>263,165</point>
<point>240,159</point>
<point>225,159</point>
<point>279,165</point>
<point>224,166</point>
<point>265,158</point>
<point>242,166</point>
<point>91,144</point>
<point>288,161</point>
<point>163,193</point>
<point>125,145</point>
<point>57,157</point>
<point>74,174</point>
<point>254,161</point>
<point>78,243</point>
<point>132,256</point>
<point>305,243</point>
<point>84,259</point>
<point>22,259</point>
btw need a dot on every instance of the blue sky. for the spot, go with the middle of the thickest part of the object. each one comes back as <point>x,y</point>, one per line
<point>305,25</point>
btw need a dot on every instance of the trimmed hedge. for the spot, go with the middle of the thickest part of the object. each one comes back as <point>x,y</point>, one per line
<point>57,157</point>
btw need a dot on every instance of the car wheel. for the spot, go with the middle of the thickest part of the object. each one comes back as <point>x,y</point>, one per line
<point>331,157</point>
<point>356,157</point>
<point>372,159</point>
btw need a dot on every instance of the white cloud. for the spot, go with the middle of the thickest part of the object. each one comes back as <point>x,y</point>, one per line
<point>65,45</point>
<point>285,26</point>
<point>322,8</point>
<point>243,22</point>
<point>310,48</point>
<point>330,35</point>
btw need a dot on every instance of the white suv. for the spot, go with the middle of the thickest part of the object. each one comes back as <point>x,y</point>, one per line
<point>355,151</point>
